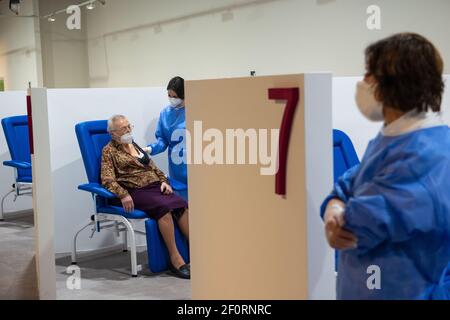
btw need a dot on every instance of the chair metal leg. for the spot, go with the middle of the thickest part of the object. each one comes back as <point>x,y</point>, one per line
<point>125,241</point>
<point>102,217</point>
<point>116,226</point>
<point>3,200</point>
<point>74,247</point>
<point>130,229</point>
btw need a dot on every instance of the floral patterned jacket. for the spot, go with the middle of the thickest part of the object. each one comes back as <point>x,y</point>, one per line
<point>121,171</point>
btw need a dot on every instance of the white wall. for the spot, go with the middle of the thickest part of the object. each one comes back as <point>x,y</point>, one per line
<point>64,51</point>
<point>19,51</point>
<point>11,104</point>
<point>146,42</point>
<point>347,117</point>
<point>66,108</point>
<point>446,101</point>
<point>127,48</point>
<point>45,53</point>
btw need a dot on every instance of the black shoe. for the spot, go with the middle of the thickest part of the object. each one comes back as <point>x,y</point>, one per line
<point>184,272</point>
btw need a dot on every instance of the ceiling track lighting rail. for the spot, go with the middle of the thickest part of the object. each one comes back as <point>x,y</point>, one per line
<point>14,6</point>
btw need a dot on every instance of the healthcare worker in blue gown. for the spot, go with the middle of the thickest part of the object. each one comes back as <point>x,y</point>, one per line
<point>391,214</point>
<point>170,134</point>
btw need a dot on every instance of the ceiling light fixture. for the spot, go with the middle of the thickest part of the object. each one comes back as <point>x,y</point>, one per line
<point>14,6</point>
<point>91,5</point>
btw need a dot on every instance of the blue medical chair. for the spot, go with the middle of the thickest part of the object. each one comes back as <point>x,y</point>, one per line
<point>92,137</point>
<point>345,157</point>
<point>179,188</point>
<point>17,138</point>
<point>344,153</point>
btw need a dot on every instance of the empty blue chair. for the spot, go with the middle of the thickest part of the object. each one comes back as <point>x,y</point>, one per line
<point>345,157</point>
<point>92,138</point>
<point>17,138</point>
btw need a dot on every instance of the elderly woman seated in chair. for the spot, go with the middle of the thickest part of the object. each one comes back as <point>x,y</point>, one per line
<point>128,172</point>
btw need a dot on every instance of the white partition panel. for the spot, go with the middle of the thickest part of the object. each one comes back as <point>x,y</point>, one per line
<point>43,198</point>
<point>446,101</point>
<point>68,107</point>
<point>318,101</point>
<point>347,117</point>
<point>12,103</point>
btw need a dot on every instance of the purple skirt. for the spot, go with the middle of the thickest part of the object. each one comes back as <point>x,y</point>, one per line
<point>156,204</point>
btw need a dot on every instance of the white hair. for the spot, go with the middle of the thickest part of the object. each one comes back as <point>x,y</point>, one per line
<point>112,121</point>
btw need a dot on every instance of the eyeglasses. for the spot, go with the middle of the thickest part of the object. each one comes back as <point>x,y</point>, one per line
<point>129,127</point>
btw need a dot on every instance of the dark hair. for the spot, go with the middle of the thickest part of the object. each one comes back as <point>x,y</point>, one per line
<point>177,85</point>
<point>408,69</point>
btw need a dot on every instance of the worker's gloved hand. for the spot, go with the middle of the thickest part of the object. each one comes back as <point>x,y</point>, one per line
<point>148,149</point>
<point>337,236</point>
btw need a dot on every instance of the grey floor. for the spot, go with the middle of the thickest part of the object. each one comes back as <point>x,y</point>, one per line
<point>103,277</point>
<point>17,264</point>
<point>106,277</point>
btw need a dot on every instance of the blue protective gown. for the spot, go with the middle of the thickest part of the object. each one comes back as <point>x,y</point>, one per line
<point>172,119</point>
<point>398,206</point>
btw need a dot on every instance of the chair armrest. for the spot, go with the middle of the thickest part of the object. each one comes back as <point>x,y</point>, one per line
<point>98,190</point>
<point>17,164</point>
<point>177,185</point>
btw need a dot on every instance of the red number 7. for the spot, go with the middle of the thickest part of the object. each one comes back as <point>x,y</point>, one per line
<point>291,95</point>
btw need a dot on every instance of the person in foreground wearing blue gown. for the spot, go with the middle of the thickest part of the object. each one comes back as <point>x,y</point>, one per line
<point>391,214</point>
<point>170,134</point>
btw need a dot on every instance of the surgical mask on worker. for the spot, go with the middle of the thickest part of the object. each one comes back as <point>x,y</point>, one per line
<point>126,138</point>
<point>176,102</point>
<point>367,103</point>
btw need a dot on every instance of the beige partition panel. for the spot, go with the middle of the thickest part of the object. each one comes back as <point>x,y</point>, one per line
<point>246,241</point>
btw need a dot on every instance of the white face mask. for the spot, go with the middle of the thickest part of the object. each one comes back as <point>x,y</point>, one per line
<point>367,104</point>
<point>127,138</point>
<point>176,102</point>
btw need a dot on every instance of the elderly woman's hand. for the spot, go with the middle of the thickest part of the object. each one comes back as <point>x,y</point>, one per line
<point>128,204</point>
<point>337,236</point>
<point>166,189</point>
